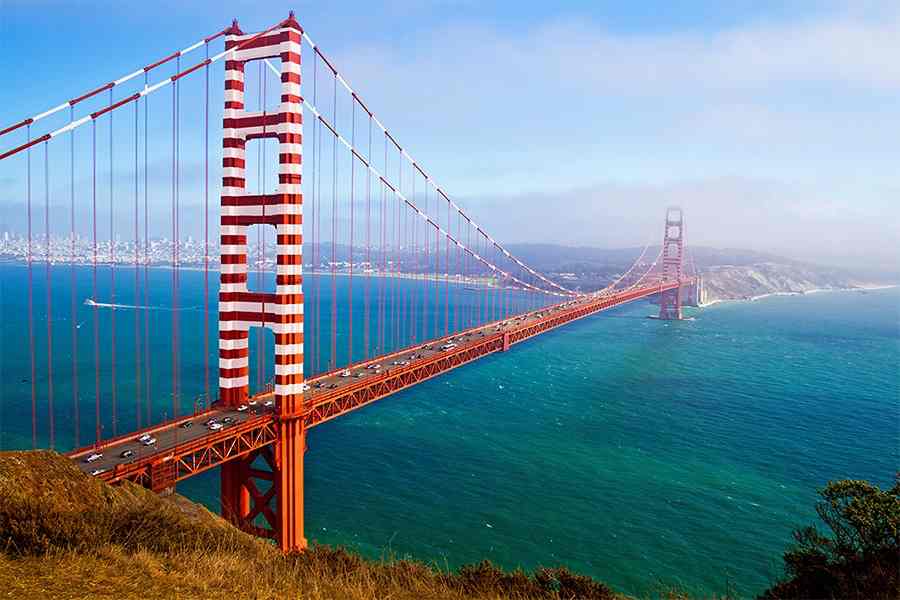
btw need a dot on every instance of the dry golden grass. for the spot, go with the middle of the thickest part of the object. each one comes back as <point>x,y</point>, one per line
<point>66,535</point>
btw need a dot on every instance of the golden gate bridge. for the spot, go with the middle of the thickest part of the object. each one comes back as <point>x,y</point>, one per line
<point>437,290</point>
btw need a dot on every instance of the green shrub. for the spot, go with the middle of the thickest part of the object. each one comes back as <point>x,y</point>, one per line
<point>861,558</point>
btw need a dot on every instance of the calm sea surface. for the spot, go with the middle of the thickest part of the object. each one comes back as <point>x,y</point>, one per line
<point>633,450</point>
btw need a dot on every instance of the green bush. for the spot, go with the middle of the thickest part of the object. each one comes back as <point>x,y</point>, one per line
<point>861,558</point>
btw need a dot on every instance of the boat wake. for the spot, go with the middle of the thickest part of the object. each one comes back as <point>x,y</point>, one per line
<point>92,302</point>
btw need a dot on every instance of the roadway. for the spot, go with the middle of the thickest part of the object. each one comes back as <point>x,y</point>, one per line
<point>190,428</point>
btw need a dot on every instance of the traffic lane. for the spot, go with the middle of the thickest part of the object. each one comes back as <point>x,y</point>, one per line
<point>166,438</point>
<point>386,364</point>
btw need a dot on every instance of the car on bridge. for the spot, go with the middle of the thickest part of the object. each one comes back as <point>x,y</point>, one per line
<point>127,453</point>
<point>93,457</point>
<point>148,441</point>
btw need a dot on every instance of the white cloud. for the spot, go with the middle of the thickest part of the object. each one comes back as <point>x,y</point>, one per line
<point>774,135</point>
<point>466,95</point>
<point>805,222</point>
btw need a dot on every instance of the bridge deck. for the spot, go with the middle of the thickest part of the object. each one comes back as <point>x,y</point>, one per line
<point>185,447</point>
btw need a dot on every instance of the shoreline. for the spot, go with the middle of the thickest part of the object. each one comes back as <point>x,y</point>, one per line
<point>861,288</point>
<point>431,277</point>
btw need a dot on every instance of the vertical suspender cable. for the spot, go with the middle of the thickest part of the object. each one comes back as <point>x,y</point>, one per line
<point>137,278</point>
<point>74,306</point>
<point>467,314</point>
<point>383,279</point>
<point>368,299</point>
<point>51,423</point>
<point>31,300</point>
<point>415,234</point>
<point>456,322</point>
<point>447,277</point>
<point>488,283</point>
<point>94,281</point>
<point>398,291</point>
<point>401,240</point>
<point>437,268</point>
<point>334,172</point>
<point>147,356</point>
<point>350,258</point>
<point>404,244</point>
<point>424,270</point>
<point>206,390</point>
<point>317,142</point>
<point>176,88</point>
<point>174,261</point>
<point>112,273</point>
<point>404,247</point>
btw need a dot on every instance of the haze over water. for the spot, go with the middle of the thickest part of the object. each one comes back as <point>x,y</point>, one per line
<point>626,448</point>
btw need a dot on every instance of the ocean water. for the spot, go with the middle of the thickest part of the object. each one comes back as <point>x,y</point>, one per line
<point>641,452</point>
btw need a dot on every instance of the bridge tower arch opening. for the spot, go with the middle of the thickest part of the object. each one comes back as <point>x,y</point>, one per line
<point>273,509</point>
<point>670,301</point>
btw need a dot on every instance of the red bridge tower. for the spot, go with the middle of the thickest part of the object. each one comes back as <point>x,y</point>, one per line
<point>673,264</point>
<point>250,494</point>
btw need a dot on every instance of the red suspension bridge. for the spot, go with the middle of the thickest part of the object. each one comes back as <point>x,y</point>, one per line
<point>402,284</point>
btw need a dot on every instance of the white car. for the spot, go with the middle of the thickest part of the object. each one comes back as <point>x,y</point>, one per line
<point>304,387</point>
<point>215,426</point>
<point>96,472</point>
<point>345,373</point>
<point>374,366</point>
<point>252,402</point>
<point>269,403</point>
<point>240,408</point>
<point>149,441</point>
<point>94,457</point>
<point>145,436</point>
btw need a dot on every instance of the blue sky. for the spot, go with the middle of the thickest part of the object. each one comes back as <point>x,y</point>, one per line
<point>775,124</point>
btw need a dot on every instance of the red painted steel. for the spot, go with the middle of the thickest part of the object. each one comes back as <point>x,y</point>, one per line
<point>329,405</point>
<point>672,264</point>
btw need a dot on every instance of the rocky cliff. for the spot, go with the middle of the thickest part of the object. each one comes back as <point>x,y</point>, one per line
<point>747,282</point>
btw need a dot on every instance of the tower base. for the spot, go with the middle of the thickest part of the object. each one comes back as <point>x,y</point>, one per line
<point>262,493</point>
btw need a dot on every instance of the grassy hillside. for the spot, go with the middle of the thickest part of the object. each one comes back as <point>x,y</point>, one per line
<point>67,535</point>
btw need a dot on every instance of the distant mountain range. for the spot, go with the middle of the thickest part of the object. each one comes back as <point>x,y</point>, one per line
<point>728,273</point>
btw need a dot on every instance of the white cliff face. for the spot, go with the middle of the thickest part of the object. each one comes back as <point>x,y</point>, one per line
<point>747,282</point>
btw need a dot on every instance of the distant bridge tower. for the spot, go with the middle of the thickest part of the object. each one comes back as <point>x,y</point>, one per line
<point>673,264</point>
<point>248,491</point>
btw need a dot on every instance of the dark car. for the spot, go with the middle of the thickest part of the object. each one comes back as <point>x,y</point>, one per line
<point>127,453</point>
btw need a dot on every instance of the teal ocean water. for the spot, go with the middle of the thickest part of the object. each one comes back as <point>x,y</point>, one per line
<point>637,451</point>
